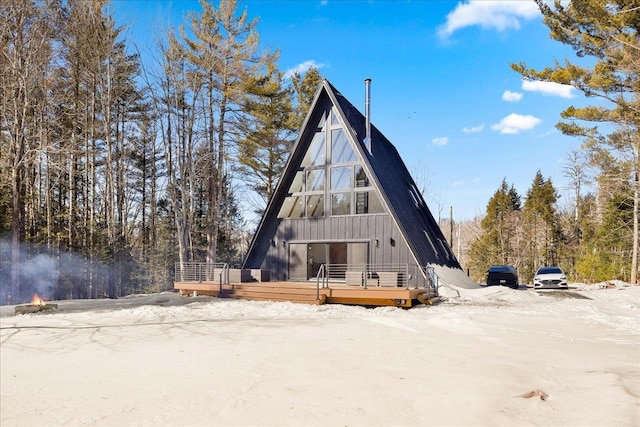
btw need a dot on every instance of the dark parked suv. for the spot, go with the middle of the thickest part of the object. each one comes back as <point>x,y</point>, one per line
<point>505,275</point>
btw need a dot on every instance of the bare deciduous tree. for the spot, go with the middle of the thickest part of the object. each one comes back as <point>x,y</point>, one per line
<point>26,38</point>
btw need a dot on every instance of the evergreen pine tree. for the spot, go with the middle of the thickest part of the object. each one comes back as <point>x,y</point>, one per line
<point>498,239</point>
<point>606,31</point>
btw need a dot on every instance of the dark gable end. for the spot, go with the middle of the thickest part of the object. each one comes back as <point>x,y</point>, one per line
<point>419,228</point>
<point>385,169</point>
<point>268,226</point>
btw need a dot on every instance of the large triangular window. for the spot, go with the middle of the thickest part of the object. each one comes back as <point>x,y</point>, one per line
<point>330,179</point>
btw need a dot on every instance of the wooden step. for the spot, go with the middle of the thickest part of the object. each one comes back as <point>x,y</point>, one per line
<point>274,297</point>
<point>295,294</point>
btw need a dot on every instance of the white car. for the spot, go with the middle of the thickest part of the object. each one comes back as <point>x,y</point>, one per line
<point>550,277</point>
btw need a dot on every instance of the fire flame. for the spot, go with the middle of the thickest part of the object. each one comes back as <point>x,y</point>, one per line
<point>36,300</point>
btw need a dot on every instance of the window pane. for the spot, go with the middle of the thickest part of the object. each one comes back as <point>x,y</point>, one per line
<point>323,121</point>
<point>292,208</point>
<point>338,255</point>
<point>341,204</point>
<point>361,177</point>
<point>296,186</point>
<point>341,178</point>
<point>297,261</point>
<point>367,202</point>
<point>334,119</point>
<point>315,155</point>
<point>315,180</point>
<point>357,253</point>
<point>316,256</point>
<point>375,204</point>
<point>315,205</point>
<point>341,151</point>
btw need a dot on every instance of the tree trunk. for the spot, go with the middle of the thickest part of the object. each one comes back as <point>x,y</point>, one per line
<point>214,181</point>
<point>634,254</point>
<point>16,220</point>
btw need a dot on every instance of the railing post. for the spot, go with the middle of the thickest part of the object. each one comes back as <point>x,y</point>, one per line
<point>435,289</point>
<point>321,271</point>
<point>366,275</point>
<point>433,279</point>
<point>325,282</point>
<point>221,275</point>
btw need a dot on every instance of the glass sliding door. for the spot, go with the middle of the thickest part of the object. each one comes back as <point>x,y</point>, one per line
<point>297,261</point>
<point>358,253</point>
<point>341,255</point>
<point>338,253</point>
<point>316,256</point>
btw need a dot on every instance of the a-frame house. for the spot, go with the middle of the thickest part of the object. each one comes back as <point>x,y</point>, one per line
<point>346,198</point>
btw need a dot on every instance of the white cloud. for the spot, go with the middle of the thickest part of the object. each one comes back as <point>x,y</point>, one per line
<point>465,182</point>
<point>511,96</point>
<point>473,129</point>
<point>498,14</point>
<point>441,141</point>
<point>549,88</point>
<point>515,123</point>
<point>302,68</point>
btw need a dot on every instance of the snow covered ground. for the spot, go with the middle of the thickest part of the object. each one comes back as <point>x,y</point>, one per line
<point>470,361</point>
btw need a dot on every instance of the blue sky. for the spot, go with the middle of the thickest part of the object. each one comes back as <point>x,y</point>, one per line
<point>442,89</point>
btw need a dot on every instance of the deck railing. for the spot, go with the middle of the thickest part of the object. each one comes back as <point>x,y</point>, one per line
<point>365,275</point>
<point>433,279</point>
<point>202,272</point>
<point>322,275</point>
<point>379,275</point>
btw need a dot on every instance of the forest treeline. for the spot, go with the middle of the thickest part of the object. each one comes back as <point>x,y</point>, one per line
<point>596,239</point>
<point>115,169</point>
<point>133,166</point>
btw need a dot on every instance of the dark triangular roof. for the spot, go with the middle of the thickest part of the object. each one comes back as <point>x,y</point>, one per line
<point>405,202</point>
<point>384,167</point>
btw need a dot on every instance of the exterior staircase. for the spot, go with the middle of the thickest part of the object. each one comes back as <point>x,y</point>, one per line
<point>277,292</point>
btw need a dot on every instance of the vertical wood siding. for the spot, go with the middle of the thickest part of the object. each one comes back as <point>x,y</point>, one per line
<point>337,229</point>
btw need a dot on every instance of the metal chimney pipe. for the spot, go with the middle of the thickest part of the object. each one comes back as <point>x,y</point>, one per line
<point>367,114</point>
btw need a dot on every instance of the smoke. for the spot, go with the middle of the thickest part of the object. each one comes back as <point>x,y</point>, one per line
<point>41,272</point>
<point>51,273</point>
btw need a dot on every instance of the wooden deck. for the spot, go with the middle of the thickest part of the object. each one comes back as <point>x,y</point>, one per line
<point>306,293</point>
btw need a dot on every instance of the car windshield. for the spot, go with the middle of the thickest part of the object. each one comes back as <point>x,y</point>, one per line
<point>550,270</point>
<point>500,269</point>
